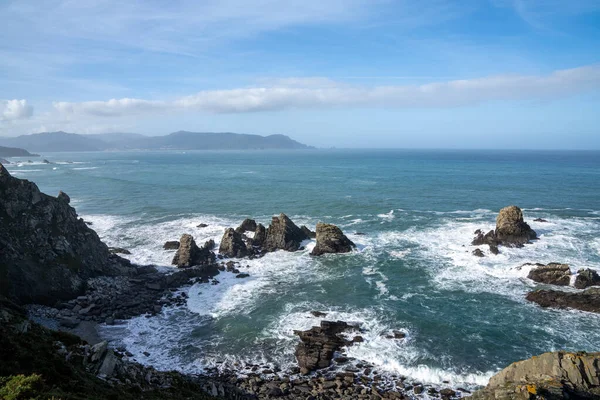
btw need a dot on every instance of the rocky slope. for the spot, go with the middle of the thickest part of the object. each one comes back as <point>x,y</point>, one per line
<point>47,252</point>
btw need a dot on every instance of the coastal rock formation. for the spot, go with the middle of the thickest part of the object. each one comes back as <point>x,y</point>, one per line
<point>171,245</point>
<point>260,235</point>
<point>189,254</point>
<point>308,232</point>
<point>511,230</point>
<point>47,252</point>
<point>232,244</point>
<point>318,344</point>
<point>586,300</point>
<point>586,278</point>
<point>248,225</point>
<point>283,234</point>
<point>331,239</point>
<point>552,274</point>
<point>558,375</point>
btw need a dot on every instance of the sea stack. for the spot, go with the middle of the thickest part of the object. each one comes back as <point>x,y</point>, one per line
<point>331,239</point>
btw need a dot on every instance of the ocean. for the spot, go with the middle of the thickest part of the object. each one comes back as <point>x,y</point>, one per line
<point>412,214</point>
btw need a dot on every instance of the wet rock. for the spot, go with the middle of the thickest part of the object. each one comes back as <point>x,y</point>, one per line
<point>494,249</point>
<point>478,253</point>
<point>318,345</point>
<point>587,300</point>
<point>540,220</point>
<point>283,234</point>
<point>242,275</point>
<point>118,250</point>
<point>586,278</point>
<point>189,254</point>
<point>331,239</point>
<point>551,274</point>
<point>46,161</point>
<point>171,245</point>
<point>558,375</point>
<point>308,232</point>
<point>318,314</point>
<point>201,226</point>
<point>232,244</point>
<point>511,230</point>
<point>248,225</point>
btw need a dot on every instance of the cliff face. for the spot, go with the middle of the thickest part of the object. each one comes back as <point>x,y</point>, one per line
<point>46,252</point>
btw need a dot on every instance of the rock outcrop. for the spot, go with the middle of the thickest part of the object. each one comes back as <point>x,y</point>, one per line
<point>248,225</point>
<point>586,278</point>
<point>331,239</point>
<point>550,376</point>
<point>511,230</point>
<point>260,235</point>
<point>232,244</point>
<point>171,245</point>
<point>283,234</point>
<point>586,300</point>
<point>308,232</point>
<point>189,254</point>
<point>551,274</point>
<point>318,345</point>
<point>46,252</point>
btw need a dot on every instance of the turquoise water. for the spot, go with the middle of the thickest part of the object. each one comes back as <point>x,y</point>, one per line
<point>465,317</point>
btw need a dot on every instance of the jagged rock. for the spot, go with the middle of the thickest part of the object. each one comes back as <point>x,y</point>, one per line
<point>248,225</point>
<point>318,344</point>
<point>48,253</point>
<point>189,254</point>
<point>283,234</point>
<point>586,278</point>
<point>478,253</point>
<point>308,232</point>
<point>550,376</point>
<point>118,250</point>
<point>171,245</point>
<point>552,274</point>
<point>331,239</point>
<point>511,230</point>
<point>232,244</point>
<point>587,300</point>
<point>260,235</point>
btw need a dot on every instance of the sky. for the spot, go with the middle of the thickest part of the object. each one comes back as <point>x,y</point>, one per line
<point>343,73</point>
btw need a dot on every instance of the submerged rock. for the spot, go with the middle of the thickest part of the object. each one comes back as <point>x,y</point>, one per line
<point>586,278</point>
<point>318,344</point>
<point>189,254</point>
<point>587,300</point>
<point>552,274</point>
<point>283,234</point>
<point>232,244</point>
<point>558,375</point>
<point>331,239</point>
<point>511,230</point>
<point>47,252</point>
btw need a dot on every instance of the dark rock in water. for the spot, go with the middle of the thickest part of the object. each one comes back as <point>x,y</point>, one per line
<point>242,275</point>
<point>586,278</point>
<point>248,225</point>
<point>478,253</point>
<point>494,249</point>
<point>171,245</point>
<point>550,376</point>
<point>359,233</point>
<point>552,274</point>
<point>118,250</point>
<point>189,254</point>
<point>201,226</point>
<point>232,244</point>
<point>318,344</point>
<point>47,252</point>
<point>331,239</point>
<point>540,220</point>
<point>587,300</point>
<point>308,232</point>
<point>318,314</point>
<point>46,161</point>
<point>283,234</point>
<point>88,223</point>
<point>511,230</point>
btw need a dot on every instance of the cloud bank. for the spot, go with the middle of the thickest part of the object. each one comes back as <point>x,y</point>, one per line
<point>11,110</point>
<point>323,93</point>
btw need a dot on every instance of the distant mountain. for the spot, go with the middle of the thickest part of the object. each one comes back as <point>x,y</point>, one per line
<point>182,140</point>
<point>15,152</point>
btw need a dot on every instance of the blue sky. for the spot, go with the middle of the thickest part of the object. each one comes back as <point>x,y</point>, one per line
<point>345,73</point>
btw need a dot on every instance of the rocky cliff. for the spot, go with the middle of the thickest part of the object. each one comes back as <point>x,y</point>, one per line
<point>46,252</point>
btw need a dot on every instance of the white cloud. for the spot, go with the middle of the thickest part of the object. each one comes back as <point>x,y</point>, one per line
<point>11,110</point>
<point>323,93</point>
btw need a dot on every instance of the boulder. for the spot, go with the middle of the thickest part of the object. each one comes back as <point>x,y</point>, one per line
<point>232,244</point>
<point>478,253</point>
<point>248,225</point>
<point>552,274</point>
<point>558,375</point>
<point>171,245</point>
<point>189,254</point>
<point>318,345</point>
<point>586,278</point>
<point>331,239</point>
<point>47,252</point>
<point>283,234</point>
<point>308,232</point>
<point>586,300</point>
<point>511,230</point>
